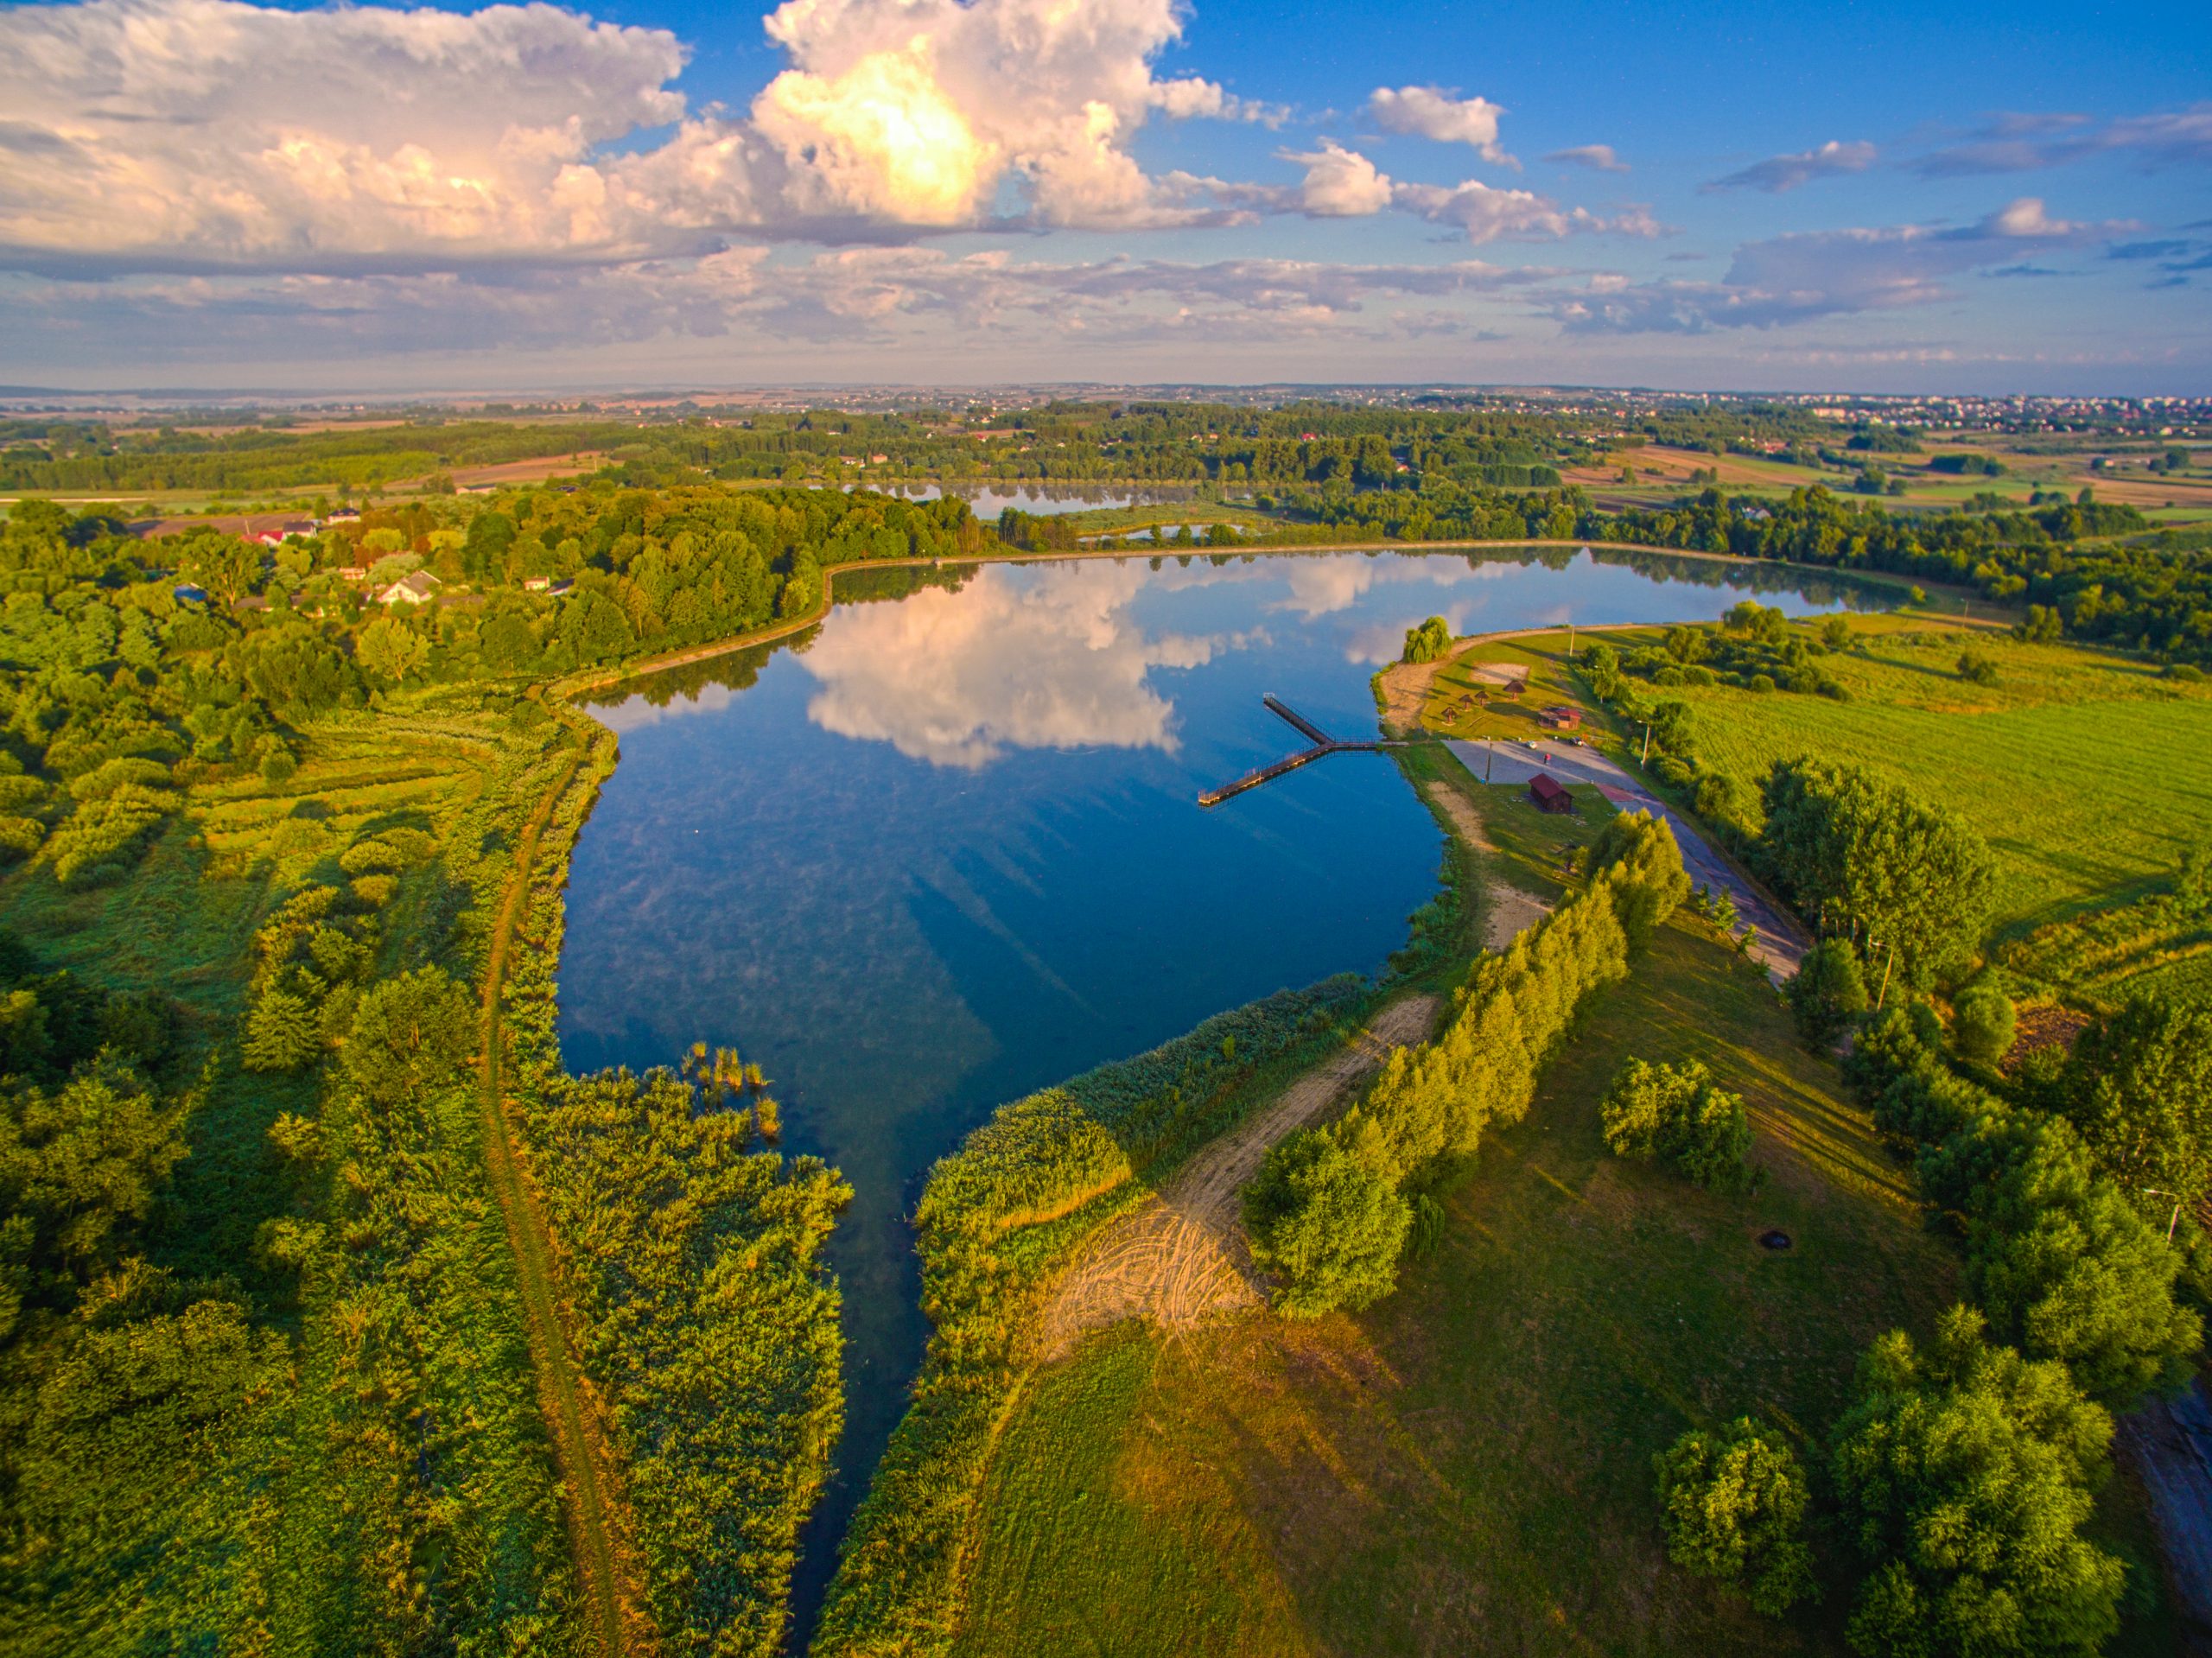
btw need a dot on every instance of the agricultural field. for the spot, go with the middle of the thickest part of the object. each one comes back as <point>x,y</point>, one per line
<point>1475,1452</point>
<point>2088,773</point>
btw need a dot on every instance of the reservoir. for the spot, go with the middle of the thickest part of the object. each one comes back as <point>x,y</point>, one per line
<point>944,849</point>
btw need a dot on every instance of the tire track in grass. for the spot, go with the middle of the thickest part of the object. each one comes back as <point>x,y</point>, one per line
<point>1180,1259</point>
<point>616,1621</point>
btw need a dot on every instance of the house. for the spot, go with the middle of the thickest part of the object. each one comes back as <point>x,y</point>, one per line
<point>559,589</point>
<point>343,515</point>
<point>535,583</point>
<point>1560,719</point>
<point>415,589</point>
<point>189,593</point>
<point>1547,794</point>
<point>351,572</point>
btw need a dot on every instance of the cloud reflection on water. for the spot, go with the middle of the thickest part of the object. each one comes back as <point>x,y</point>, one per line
<point>1052,660</point>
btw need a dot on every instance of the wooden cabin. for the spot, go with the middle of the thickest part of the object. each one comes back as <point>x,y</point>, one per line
<point>1560,719</point>
<point>1547,794</point>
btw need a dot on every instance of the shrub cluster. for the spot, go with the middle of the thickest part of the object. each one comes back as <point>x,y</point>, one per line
<point>1676,1114</point>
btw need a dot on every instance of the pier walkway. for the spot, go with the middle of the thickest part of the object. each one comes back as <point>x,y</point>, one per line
<point>1322,743</point>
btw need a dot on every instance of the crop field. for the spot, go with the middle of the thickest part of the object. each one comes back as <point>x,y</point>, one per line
<point>1475,1452</point>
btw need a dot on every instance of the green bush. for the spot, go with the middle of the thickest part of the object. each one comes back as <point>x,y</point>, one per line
<point>1331,1226</point>
<point>1732,1506</point>
<point>1827,992</point>
<point>1675,1114</point>
<point>1983,1022</point>
<point>1963,1475</point>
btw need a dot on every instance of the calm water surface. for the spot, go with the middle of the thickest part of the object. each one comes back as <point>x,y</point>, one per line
<point>945,850</point>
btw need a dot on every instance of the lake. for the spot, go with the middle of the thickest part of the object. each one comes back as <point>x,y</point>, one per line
<point>944,849</point>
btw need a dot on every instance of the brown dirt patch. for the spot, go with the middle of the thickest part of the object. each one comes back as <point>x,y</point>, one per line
<point>2048,1027</point>
<point>1507,911</point>
<point>1180,1258</point>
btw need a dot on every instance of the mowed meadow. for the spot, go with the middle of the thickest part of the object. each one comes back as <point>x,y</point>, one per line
<point>2088,773</point>
<point>1469,1464</point>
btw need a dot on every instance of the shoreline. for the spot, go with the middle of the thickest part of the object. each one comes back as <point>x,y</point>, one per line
<point>574,685</point>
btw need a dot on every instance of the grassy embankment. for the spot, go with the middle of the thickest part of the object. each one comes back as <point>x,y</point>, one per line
<point>297,1518</point>
<point>1467,1467</point>
<point>996,1220</point>
<point>2088,772</point>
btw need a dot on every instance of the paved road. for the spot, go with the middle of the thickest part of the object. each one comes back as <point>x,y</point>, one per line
<point>1782,943</point>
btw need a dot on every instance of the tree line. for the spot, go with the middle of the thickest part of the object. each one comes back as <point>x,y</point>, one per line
<point>1332,1209</point>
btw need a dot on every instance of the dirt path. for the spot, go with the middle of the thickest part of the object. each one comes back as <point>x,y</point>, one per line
<point>1180,1258</point>
<point>1508,910</point>
<point>615,1620</point>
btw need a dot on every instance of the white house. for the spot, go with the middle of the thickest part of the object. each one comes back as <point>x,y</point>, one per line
<point>416,589</point>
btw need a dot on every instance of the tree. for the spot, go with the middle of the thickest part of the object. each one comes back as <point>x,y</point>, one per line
<point>1645,863</point>
<point>222,564</point>
<point>2067,1268</point>
<point>1983,1023</point>
<point>1675,1114</point>
<point>1428,642</point>
<point>1973,666</point>
<point>1732,1506</point>
<point>1827,992</point>
<point>410,1034</point>
<point>1963,1474</point>
<point>1330,1225</point>
<point>79,1167</point>
<point>2139,1086</point>
<point>1869,862</point>
<point>391,649</point>
<point>283,1031</point>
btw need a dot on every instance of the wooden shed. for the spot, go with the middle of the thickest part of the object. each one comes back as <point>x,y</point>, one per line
<point>1560,718</point>
<point>1549,795</point>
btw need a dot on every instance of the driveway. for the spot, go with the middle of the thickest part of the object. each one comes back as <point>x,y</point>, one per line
<point>1782,943</point>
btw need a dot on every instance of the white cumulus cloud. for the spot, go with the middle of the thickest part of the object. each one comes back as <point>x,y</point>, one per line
<point>1432,112</point>
<point>1340,183</point>
<point>1049,660</point>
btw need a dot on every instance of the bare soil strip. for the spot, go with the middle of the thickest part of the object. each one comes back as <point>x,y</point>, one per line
<point>1181,1259</point>
<point>1507,910</point>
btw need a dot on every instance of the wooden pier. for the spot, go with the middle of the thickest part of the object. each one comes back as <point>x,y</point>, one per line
<point>1322,744</point>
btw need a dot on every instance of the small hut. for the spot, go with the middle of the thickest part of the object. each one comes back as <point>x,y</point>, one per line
<point>1547,794</point>
<point>1560,718</point>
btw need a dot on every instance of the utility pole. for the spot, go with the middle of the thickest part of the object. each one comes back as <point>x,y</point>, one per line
<point>1889,961</point>
<point>1647,743</point>
<point>2172,1220</point>
<point>1570,640</point>
<point>1490,756</point>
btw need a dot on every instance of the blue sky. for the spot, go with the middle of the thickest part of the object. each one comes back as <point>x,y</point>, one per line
<point>965,191</point>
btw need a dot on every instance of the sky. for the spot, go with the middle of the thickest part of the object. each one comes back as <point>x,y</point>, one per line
<point>1875,197</point>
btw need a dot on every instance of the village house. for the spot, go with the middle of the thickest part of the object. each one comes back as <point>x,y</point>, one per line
<point>1560,718</point>
<point>418,588</point>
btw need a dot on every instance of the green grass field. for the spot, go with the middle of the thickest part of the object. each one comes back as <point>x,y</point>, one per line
<point>2087,773</point>
<point>1466,1467</point>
